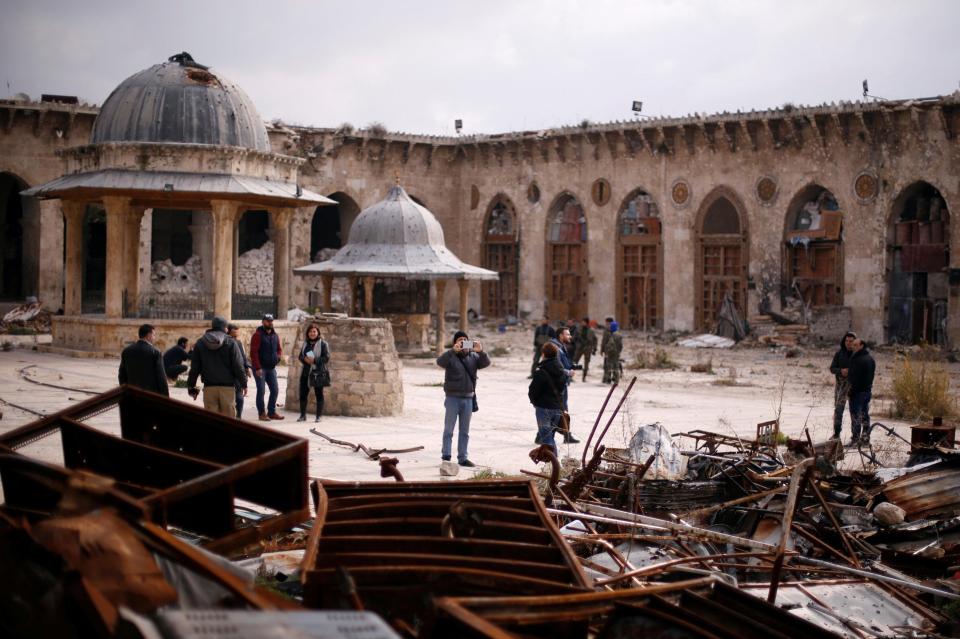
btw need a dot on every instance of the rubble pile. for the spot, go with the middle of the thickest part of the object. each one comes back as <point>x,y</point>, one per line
<point>255,271</point>
<point>169,278</point>
<point>29,318</point>
<point>196,525</point>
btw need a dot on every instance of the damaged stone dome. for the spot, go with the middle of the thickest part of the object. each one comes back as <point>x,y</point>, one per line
<point>180,101</point>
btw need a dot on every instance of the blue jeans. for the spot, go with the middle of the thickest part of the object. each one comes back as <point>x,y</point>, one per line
<point>269,379</point>
<point>860,411</point>
<point>461,407</point>
<point>547,420</point>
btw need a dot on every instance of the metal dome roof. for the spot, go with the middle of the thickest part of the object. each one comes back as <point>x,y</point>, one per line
<point>180,101</point>
<point>397,237</point>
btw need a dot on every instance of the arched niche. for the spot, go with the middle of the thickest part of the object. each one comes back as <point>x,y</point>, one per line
<point>813,247</point>
<point>566,258</point>
<point>253,230</point>
<point>170,236</point>
<point>722,259</point>
<point>640,262</point>
<point>330,226</point>
<point>918,240</point>
<point>501,253</point>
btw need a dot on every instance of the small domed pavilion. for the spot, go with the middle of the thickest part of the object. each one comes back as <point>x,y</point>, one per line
<point>398,239</point>
<point>179,136</point>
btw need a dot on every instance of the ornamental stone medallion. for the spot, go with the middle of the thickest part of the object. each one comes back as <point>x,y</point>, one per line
<point>680,193</point>
<point>865,186</point>
<point>767,190</point>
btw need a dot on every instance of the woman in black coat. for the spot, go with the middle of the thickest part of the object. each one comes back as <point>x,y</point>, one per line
<point>545,394</point>
<point>314,356</point>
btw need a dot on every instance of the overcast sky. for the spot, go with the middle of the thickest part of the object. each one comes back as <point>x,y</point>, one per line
<point>500,66</point>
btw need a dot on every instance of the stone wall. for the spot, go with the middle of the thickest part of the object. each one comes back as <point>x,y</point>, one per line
<point>830,322</point>
<point>255,271</point>
<point>364,368</point>
<point>97,335</point>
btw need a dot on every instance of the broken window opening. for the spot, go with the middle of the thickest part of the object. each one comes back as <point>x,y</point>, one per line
<point>639,263</point>
<point>813,249</point>
<point>501,253</point>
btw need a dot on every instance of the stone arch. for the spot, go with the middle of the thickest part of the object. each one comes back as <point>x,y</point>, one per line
<point>722,255</point>
<point>330,225</point>
<point>566,257</point>
<point>17,222</point>
<point>812,256</point>
<point>170,236</point>
<point>639,261</point>
<point>918,240</point>
<point>501,253</point>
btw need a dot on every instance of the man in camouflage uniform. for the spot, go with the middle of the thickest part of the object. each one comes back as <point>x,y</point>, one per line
<point>586,345</point>
<point>611,348</point>
<point>541,335</point>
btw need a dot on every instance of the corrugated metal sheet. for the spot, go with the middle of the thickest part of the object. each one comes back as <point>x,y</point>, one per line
<point>930,492</point>
<point>397,237</point>
<point>176,102</point>
<point>205,184</point>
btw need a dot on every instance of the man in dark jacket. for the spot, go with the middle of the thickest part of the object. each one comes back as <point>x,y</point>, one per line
<point>141,364</point>
<point>217,361</point>
<point>563,342</point>
<point>862,369</point>
<point>840,367</point>
<point>544,394</point>
<point>240,390</point>
<point>541,335</point>
<point>265,354</point>
<point>460,364</point>
<point>174,357</point>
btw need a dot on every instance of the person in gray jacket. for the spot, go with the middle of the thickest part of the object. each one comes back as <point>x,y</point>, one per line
<point>217,361</point>
<point>460,364</point>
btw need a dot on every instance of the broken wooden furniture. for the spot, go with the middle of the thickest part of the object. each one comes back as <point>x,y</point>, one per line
<point>187,467</point>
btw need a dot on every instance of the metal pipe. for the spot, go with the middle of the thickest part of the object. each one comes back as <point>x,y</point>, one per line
<point>613,415</point>
<point>872,575</point>
<point>586,447</point>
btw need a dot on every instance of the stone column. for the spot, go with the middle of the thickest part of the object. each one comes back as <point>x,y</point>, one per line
<point>236,257</point>
<point>441,328</point>
<point>353,297</point>
<point>327,293</point>
<point>73,215</point>
<point>131,259</point>
<point>280,221</point>
<point>225,214</point>
<point>368,296</point>
<point>117,209</point>
<point>464,290</point>
<point>201,232</point>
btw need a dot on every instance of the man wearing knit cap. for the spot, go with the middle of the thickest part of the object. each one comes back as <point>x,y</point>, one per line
<point>611,348</point>
<point>217,361</point>
<point>460,364</point>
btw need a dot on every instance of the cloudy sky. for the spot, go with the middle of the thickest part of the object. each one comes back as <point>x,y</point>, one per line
<point>498,65</point>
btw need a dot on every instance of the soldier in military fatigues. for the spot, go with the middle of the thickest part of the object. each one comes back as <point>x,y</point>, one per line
<point>586,345</point>
<point>541,335</point>
<point>611,348</point>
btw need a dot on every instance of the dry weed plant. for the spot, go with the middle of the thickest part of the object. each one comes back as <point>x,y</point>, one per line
<point>702,366</point>
<point>657,359</point>
<point>921,388</point>
<point>729,380</point>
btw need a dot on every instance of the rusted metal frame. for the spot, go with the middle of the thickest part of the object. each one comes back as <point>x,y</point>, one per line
<point>472,621</point>
<point>549,571</point>
<point>603,407</point>
<point>622,518</point>
<point>524,532</point>
<point>388,468</point>
<point>80,441</point>
<point>435,508</point>
<point>809,536</point>
<point>801,474</point>
<point>312,549</point>
<point>851,555</point>
<point>389,490</point>
<point>19,437</point>
<point>580,577</point>
<point>255,532</point>
<point>544,453</point>
<point>613,416</point>
<point>510,608</point>
<point>507,501</point>
<point>234,474</point>
<point>734,502</point>
<point>611,550</point>
<point>491,548</point>
<point>662,566</point>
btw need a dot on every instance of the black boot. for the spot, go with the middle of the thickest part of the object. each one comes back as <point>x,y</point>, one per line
<point>570,439</point>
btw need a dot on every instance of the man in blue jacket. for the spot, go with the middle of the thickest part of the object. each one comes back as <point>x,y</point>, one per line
<point>564,341</point>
